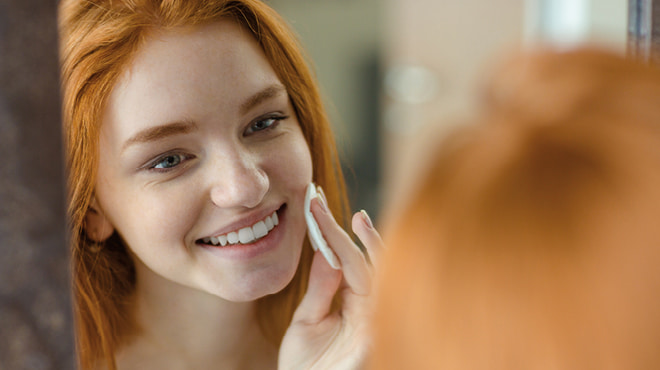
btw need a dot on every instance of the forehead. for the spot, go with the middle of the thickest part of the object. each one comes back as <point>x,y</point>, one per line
<point>189,71</point>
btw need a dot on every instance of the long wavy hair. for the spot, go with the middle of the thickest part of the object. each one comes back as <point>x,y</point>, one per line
<point>531,241</point>
<point>98,40</point>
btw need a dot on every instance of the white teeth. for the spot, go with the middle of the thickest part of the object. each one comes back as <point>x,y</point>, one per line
<point>245,235</point>
<point>232,237</point>
<point>269,223</point>
<point>259,229</point>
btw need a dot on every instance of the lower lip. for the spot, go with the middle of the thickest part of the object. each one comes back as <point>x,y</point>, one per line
<point>257,248</point>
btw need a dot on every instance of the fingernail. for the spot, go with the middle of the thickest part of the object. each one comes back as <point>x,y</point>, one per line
<point>367,219</point>
<point>324,207</point>
<point>321,196</point>
<point>319,190</point>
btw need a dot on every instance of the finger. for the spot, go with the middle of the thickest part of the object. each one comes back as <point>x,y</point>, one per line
<point>363,227</point>
<point>313,230</point>
<point>323,284</point>
<point>353,262</point>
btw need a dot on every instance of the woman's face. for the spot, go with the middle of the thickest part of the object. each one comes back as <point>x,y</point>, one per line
<point>199,142</point>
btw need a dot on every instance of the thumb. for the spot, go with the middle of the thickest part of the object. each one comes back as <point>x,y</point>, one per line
<point>323,284</point>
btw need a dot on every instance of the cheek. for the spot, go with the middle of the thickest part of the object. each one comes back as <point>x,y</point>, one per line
<point>293,165</point>
<point>143,215</point>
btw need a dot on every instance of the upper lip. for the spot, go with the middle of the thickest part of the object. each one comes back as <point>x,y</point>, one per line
<point>246,221</point>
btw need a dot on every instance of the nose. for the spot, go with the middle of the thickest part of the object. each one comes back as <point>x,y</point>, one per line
<point>238,180</point>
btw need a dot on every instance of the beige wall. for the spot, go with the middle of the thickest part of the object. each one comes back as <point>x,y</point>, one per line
<point>455,41</point>
<point>609,22</point>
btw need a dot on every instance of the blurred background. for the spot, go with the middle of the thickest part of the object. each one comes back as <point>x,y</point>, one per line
<point>392,71</point>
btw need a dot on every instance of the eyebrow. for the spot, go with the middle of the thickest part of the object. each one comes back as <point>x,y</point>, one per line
<point>160,132</point>
<point>183,127</point>
<point>258,98</point>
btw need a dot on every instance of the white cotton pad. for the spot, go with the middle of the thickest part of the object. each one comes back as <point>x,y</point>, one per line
<point>315,235</point>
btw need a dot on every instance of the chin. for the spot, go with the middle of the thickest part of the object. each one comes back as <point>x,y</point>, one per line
<point>259,285</point>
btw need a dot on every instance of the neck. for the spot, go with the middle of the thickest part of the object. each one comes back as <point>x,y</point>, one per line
<point>189,328</point>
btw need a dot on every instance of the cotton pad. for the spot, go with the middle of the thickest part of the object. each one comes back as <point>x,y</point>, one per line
<point>315,235</point>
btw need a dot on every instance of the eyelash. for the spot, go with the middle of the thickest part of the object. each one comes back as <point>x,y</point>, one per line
<point>275,118</point>
<point>182,157</point>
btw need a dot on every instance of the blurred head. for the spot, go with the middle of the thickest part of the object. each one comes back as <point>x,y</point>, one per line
<point>100,41</point>
<point>530,242</point>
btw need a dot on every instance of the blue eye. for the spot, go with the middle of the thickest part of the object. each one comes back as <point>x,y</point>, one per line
<point>168,161</point>
<point>263,124</point>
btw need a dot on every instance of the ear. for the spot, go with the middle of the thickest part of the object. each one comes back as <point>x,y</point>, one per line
<point>97,226</point>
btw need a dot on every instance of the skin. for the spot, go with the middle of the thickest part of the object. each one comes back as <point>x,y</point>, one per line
<point>199,138</point>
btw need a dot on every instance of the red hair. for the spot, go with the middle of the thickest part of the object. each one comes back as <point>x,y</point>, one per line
<point>98,41</point>
<point>531,242</point>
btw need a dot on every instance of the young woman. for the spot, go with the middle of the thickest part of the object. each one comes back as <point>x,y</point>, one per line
<point>531,242</point>
<point>193,130</point>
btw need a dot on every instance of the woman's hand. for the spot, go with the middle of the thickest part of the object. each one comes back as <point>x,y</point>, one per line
<point>319,338</point>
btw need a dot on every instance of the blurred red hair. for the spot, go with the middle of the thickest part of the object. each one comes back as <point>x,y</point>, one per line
<point>531,242</point>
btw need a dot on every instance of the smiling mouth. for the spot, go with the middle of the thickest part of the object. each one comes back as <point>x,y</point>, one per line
<point>246,235</point>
